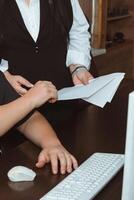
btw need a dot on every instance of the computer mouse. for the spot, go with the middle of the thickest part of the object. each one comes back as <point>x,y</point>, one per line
<point>21,173</point>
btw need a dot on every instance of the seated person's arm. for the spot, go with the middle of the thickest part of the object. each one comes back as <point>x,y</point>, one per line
<point>35,127</point>
<point>39,131</point>
<point>12,110</point>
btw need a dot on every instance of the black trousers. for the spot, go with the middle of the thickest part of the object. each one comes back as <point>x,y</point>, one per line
<point>7,93</point>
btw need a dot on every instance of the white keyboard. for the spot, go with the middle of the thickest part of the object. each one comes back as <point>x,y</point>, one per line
<point>88,179</point>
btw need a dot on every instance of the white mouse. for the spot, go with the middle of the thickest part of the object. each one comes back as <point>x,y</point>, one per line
<point>21,173</point>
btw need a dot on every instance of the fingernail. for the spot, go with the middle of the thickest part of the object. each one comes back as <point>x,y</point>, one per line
<point>24,91</point>
<point>55,171</point>
<point>63,172</point>
<point>30,85</point>
<point>69,170</point>
<point>37,165</point>
<point>76,166</point>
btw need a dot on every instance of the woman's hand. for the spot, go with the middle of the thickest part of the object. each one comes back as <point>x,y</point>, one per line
<point>18,82</point>
<point>57,154</point>
<point>81,76</point>
<point>42,92</point>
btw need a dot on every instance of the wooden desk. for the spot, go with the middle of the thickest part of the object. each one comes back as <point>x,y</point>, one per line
<point>91,131</point>
<point>118,58</point>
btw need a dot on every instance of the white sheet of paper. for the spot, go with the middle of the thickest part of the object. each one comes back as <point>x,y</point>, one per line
<point>99,91</point>
<point>84,91</point>
<point>105,94</point>
<point>116,84</point>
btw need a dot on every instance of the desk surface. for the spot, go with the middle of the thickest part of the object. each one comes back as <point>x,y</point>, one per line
<point>92,131</point>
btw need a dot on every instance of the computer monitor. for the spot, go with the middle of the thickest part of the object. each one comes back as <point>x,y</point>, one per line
<point>128,177</point>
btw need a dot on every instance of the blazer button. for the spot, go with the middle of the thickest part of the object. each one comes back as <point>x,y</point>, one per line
<point>0,152</point>
<point>36,49</point>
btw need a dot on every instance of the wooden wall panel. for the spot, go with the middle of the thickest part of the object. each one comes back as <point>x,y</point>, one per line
<point>99,30</point>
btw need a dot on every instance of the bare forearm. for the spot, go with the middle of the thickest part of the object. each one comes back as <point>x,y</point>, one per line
<point>39,131</point>
<point>13,112</point>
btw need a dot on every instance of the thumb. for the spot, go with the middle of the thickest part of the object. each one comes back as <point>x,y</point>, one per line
<point>76,80</point>
<point>41,161</point>
<point>85,81</point>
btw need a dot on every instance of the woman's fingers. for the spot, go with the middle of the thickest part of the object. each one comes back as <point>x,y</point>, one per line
<point>69,164</point>
<point>50,90</point>
<point>59,158</point>
<point>76,80</point>
<point>63,162</point>
<point>66,161</point>
<point>52,100</point>
<point>18,82</point>
<point>24,81</point>
<point>82,77</point>
<point>20,89</point>
<point>42,160</point>
<point>74,162</point>
<point>54,162</point>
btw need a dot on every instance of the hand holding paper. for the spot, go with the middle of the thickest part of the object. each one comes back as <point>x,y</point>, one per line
<point>99,91</point>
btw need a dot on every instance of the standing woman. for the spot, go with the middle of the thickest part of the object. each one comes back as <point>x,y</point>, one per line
<point>45,40</point>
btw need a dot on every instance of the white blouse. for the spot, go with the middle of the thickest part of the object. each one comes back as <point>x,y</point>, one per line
<point>79,44</point>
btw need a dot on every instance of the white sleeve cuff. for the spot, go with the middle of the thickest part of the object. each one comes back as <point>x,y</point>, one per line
<point>3,65</point>
<point>75,57</point>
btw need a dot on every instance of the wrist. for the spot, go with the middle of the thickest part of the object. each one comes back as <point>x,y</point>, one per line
<point>30,99</point>
<point>78,68</point>
<point>73,67</point>
<point>7,73</point>
<point>50,143</point>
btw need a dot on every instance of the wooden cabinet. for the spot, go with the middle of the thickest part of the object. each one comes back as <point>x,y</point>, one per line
<point>105,26</point>
<point>110,17</point>
<point>119,19</point>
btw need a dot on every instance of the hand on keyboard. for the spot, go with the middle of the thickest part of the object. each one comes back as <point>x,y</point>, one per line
<point>90,177</point>
<point>52,154</point>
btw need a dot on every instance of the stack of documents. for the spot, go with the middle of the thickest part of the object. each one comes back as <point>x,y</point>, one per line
<point>98,91</point>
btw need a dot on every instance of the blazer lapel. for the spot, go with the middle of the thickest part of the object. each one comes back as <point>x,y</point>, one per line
<point>44,18</point>
<point>13,11</point>
<point>42,13</point>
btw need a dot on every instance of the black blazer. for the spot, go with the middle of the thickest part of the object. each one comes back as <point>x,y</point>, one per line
<point>44,59</point>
